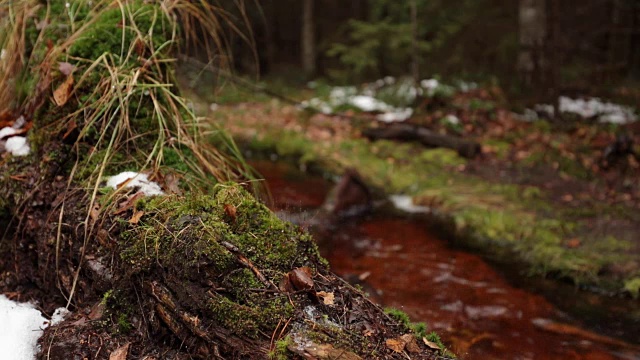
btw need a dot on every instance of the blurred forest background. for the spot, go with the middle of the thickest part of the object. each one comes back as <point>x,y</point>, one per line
<point>540,48</point>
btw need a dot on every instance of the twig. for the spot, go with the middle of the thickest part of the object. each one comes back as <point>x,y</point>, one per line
<point>246,262</point>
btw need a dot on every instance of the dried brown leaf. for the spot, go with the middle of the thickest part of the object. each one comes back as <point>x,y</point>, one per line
<point>396,344</point>
<point>230,210</point>
<point>431,344</point>
<point>327,297</point>
<point>62,93</point>
<point>285,284</point>
<point>301,278</point>
<point>97,310</point>
<point>128,204</point>
<point>120,353</point>
<point>171,183</point>
<point>574,243</point>
<point>95,212</point>
<point>135,218</point>
<point>71,127</point>
<point>411,343</point>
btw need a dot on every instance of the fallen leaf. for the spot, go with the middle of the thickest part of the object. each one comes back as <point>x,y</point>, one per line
<point>66,68</point>
<point>431,344</point>
<point>120,353</point>
<point>97,310</point>
<point>301,278</point>
<point>312,350</point>
<point>396,344</point>
<point>574,243</point>
<point>411,343</point>
<point>128,204</point>
<point>327,297</point>
<point>567,198</point>
<point>172,182</point>
<point>80,322</point>
<point>230,210</point>
<point>135,218</point>
<point>285,284</point>
<point>95,212</point>
<point>62,93</point>
<point>71,126</point>
<point>364,275</point>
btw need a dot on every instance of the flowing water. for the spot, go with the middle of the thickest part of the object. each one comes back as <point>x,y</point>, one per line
<point>477,308</point>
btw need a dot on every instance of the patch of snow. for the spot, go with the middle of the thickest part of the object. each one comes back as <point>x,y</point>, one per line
<point>467,86</point>
<point>396,115</point>
<point>405,203</point>
<point>7,131</point>
<point>348,95</point>
<point>17,146</point>
<point>138,180</point>
<point>21,328</point>
<point>605,112</point>
<point>59,315</point>
<point>369,103</point>
<point>452,119</point>
<point>430,85</point>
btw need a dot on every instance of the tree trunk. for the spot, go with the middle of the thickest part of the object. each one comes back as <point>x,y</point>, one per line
<point>308,41</point>
<point>415,60</point>
<point>532,33</point>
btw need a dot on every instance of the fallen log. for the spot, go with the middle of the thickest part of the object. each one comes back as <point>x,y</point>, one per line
<point>406,132</point>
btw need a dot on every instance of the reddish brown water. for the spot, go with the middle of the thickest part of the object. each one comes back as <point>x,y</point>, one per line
<point>477,311</point>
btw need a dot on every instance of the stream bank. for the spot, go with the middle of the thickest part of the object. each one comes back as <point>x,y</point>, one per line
<point>553,222</point>
<point>481,310</point>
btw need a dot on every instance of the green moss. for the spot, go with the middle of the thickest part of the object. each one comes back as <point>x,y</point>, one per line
<point>124,326</point>
<point>281,349</point>
<point>398,315</point>
<point>633,287</point>
<point>270,244</point>
<point>114,31</point>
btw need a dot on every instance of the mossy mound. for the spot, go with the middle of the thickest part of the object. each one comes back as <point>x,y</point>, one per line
<point>197,241</point>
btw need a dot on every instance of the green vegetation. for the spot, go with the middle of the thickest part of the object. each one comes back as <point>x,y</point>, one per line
<point>258,234</point>
<point>419,329</point>
<point>281,349</point>
<point>509,220</point>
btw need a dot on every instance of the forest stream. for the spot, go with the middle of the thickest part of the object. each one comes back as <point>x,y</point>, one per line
<point>481,310</point>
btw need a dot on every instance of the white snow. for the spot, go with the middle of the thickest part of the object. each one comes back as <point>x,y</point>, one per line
<point>141,181</point>
<point>58,315</point>
<point>452,119</point>
<point>467,86</point>
<point>430,84</point>
<point>21,327</point>
<point>17,146</point>
<point>366,101</point>
<point>369,103</point>
<point>605,112</point>
<point>7,131</point>
<point>405,203</point>
<point>395,115</point>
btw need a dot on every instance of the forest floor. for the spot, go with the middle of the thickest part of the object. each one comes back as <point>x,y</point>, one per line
<point>543,192</point>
